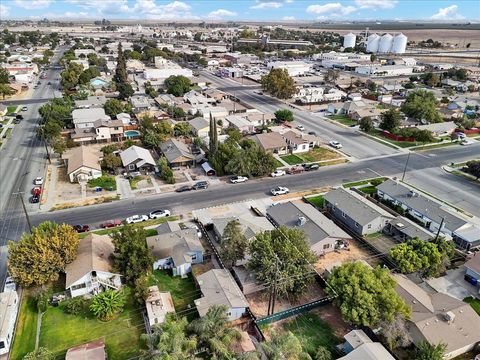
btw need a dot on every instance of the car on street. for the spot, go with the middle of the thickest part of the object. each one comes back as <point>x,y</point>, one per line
<point>19,117</point>
<point>35,199</point>
<point>466,142</point>
<point>312,133</point>
<point>37,190</point>
<point>238,179</point>
<point>183,188</point>
<point>295,170</point>
<point>136,219</point>
<point>278,173</point>
<point>310,167</point>
<point>111,223</point>
<point>335,144</point>
<point>38,180</point>
<point>24,108</point>
<point>157,214</point>
<point>280,190</point>
<point>300,127</point>
<point>200,185</point>
<point>81,228</point>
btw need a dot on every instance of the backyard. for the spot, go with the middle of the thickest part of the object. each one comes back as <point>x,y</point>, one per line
<point>317,201</point>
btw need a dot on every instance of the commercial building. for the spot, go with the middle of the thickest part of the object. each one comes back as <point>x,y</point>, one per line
<point>385,70</point>
<point>294,68</point>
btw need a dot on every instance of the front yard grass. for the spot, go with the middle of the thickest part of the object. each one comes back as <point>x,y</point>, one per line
<point>320,154</point>
<point>312,331</point>
<point>317,200</point>
<point>278,164</point>
<point>474,303</point>
<point>292,159</point>
<point>345,120</point>
<point>362,182</point>
<point>134,181</point>
<point>26,328</point>
<point>369,190</point>
<point>61,331</point>
<point>105,182</point>
<point>11,109</point>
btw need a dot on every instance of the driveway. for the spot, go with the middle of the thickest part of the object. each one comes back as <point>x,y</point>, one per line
<point>454,285</point>
<point>123,187</point>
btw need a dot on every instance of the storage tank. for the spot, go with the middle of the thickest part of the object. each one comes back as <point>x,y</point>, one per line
<point>372,43</point>
<point>399,44</point>
<point>349,40</point>
<point>385,44</point>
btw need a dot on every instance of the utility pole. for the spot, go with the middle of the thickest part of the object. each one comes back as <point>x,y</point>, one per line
<point>24,210</point>
<point>406,164</point>
<point>439,229</point>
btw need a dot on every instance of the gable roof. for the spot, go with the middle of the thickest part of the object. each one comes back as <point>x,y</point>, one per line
<point>107,123</point>
<point>369,351</point>
<point>219,288</point>
<point>175,150</point>
<point>249,226</point>
<point>167,227</point>
<point>134,153</point>
<point>269,141</point>
<point>93,254</point>
<point>355,206</point>
<point>81,156</point>
<point>199,123</point>
<point>411,229</point>
<point>80,116</point>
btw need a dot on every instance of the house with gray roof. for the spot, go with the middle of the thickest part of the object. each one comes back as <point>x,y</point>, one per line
<point>85,118</point>
<point>219,288</point>
<point>91,102</point>
<point>465,231</point>
<point>322,234</point>
<point>358,213</point>
<point>249,225</point>
<point>136,158</point>
<point>200,127</point>
<point>403,229</point>
<point>177,250</point>
<point>177,153</point>
<point>472,268</point>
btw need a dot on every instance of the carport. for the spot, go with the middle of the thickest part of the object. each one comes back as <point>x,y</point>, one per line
<point>208,169</point>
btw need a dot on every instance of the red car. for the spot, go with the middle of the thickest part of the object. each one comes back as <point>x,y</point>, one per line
<point>111,223</point>
<point>81,228</point>
<point>295,170</point>
<point>36,191</point>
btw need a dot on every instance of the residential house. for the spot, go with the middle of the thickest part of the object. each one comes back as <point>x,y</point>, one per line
<point>472,268</point>
<point>165,99</point>
<point>8,318</point>
<point>83,53</point>
<point>107,130</point>
<point>217,112</point>
<point>390,88</point>
<point>322,234</point>
<point>215,94</point>
<point>433,214</point>
<point>91,271</point>
<point>85,118</point>
<point>140,103</point>
<point>359,346</point>
<point>403,229</point>
<point>82,163</point>
<point>258,118</point>
<point>125,118</point>
<point>372,113</point>
<point>219,288</point>
<point>136,158</point>
<point>158,305</point>
<point>299,142</point>
<point>195,98</point>
<point>439,318</point>
<point>91,102</point>
<point>177,153</point>
<point>358,213</point>
<point>201,127</point>
<point>250,226</point>
<point>177,250</point>
<point>94,350</point>
<point>240,123</point>
<point>232,107</point>
<point>354,96</point>
<point>439,129</point>
<point>271,142</point>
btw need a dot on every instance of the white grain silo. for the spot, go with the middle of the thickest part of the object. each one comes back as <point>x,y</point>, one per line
<point>399,44</point>
<point>372,43</point>
<point>349,40</point>
<point>385,44</point>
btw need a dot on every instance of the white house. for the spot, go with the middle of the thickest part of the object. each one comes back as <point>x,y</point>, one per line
<point>219,288</point>
<point>300,142</point>
<point>85,118</point>
<point>8,317</point>
<point>91,272</point>
<point>82,163</point>
<point>158,305</point>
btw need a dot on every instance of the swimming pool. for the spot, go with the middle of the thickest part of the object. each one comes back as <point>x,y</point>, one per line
<point>132,133</point>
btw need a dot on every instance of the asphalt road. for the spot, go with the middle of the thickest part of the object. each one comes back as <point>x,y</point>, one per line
<point>22,159</point>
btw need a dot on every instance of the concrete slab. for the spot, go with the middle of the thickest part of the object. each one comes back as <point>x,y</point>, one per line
<point>454,285</point>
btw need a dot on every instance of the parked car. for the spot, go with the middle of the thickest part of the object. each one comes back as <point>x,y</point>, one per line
<point>81,228</point>
<point>295,170</point>
<point>37,190</point>
<point>24,108</point>
<point>111,223</point>
<point>278,173</point>
<point>301,127</point>
<point>335,144</point>
<point>35,199</point>
<point>312,133</point>
<point>200,185</point>
<point>183,188</point>
<point>238,179</point>
<point>461,135</point>
<point>136,219</point>
<point>159,214</point>
<point>38,180</point>
<point>466,142</point>
<point>311,167</point>
<point>10,284</point>
<point>279,190</point>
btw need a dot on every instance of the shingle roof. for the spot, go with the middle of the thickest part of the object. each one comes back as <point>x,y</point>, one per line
<point>174,149</point>
<point>411,229</point>
<point>369,351</point>
<point>88,115</point>
<point>134,153</point>
<point>269,141</point>
<point>219,288</point>
<point>198,123</point>
<point>93,255</point>
<point>81,156</point>
<point>355,206</point>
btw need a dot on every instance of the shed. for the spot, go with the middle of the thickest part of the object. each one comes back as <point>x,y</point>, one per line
<point>208,169</point>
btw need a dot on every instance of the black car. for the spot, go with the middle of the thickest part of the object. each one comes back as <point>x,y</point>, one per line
<point>311,167</point>
<point>35,199</point>
<point>183,188</point>
<point>200,185</point>
<point>19,117</point>
<point>312,133</point>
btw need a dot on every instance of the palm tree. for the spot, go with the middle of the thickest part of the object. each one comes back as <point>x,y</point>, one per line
<point>169,340</point>
<point>107,304</point>
<point>283,345</point>
<point>214,334</point>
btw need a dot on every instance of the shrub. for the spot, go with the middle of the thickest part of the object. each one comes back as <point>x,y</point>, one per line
<point>104,182</point>
<point>376,182</point>
<point>74,306</point>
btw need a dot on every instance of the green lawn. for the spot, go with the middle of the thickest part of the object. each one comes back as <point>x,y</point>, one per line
<point>312,331</point>
<point>342,119</point>
<point>183,291</point>
<point>105,182</point>
<point>361,182</point>
<point>292,159</point>
<point>61,331</point>
<point>278,163</point>
<point>26,328</point>
<point>11,109</point>
<point>318,200</point>
<point>370,189</point>
<point>474,303</point>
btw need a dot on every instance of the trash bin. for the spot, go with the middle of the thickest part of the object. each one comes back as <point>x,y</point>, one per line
<point>98,189</point>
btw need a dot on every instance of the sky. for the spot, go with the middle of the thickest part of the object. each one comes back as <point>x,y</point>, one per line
<point>268,10</point>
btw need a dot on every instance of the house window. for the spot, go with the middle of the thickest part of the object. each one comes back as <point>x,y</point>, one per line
<point>326,246</point>
<point>194,256</point>
<point>356,224</point>
<point>131,167</point>
<point>2,345</point>
<point>79,286</point>
<point>115,128</point>
<point>369,226</point>
<point>343,214</point>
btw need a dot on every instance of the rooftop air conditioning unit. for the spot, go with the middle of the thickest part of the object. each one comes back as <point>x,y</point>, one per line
<point>449,316</point>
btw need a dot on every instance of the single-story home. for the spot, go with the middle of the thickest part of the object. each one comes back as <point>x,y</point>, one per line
<point>177,153</point>
<point>322,234</point>
<point>358,213</point>
<point>300,142</point>
<point>249,225</point>
<point>92,270</point>
<point>240,123</point>
<point>91,102</point>
<point>136,158</point>
<point>82,163</point>
<point>439,129</point>
<point>158,305</point>
<point>403,229</point>
<point>201,127</point>
<point>177,250</point>
<point>219,288</point>
<point>94,350</point>
<point>271,142</point>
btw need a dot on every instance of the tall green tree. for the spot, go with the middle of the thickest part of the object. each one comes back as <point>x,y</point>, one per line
<point>4,76</point>
<point>284,115</point>
<point>422,105</point>
<point>132,257</point>
<point>213,332</point>
<point>121,75</point>
<point>473,168</point>
<point>212,135</point>
<point>107,304</point>
<point>177,85</point>
<point>283,254</point>
<point>125,90</point>
<point>40,256</point>
<point>233,244</point>
<point>284,345</point>
<point>391,120</point>
<point>366,124</point>
<point>323,354</point>
<point>279,84</point>
<point>6,90</point>
<point>114,107</point>
<point>365,296</point>
<point>427,351</point>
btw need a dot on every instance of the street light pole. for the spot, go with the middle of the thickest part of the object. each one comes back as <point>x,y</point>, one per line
<point>406,165</point>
